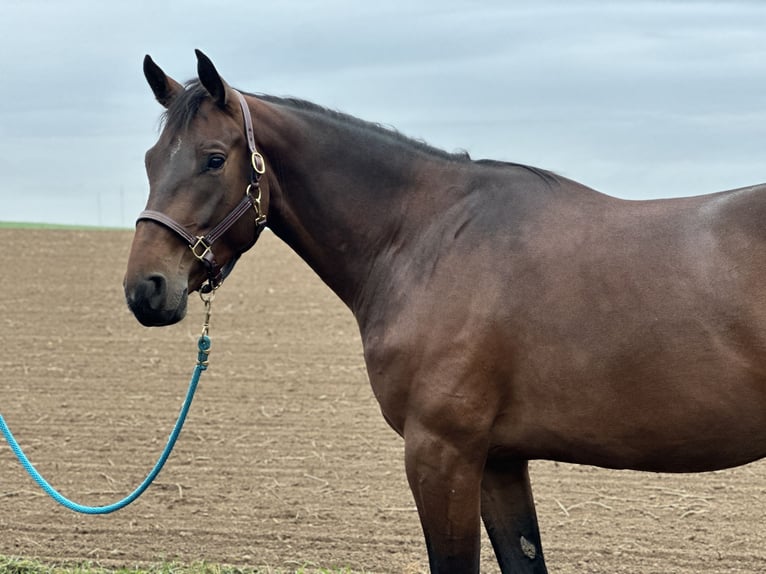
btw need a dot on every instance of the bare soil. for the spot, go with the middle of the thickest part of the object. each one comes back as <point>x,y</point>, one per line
<point>285,460</point>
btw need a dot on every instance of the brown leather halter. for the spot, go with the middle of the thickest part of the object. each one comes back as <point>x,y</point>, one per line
<point>202,245</point>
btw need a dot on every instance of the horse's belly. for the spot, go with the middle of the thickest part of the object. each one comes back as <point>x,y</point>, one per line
<point>665,426</point>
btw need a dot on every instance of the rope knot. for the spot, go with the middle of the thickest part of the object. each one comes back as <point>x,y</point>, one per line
<point>204,350</point>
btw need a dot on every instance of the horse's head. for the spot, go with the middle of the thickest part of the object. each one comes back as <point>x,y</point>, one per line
<point>203,178</point>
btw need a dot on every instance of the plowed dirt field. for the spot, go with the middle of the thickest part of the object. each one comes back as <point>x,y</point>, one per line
<point>285,460</point>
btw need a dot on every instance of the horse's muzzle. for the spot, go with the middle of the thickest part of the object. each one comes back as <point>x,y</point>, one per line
<point>154,302</point>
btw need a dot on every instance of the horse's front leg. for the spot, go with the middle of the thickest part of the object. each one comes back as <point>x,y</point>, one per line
<point>509,515</point>
<point>445,477</point>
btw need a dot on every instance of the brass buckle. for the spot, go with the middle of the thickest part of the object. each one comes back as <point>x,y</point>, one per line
<point>200,243</point>
<point>259,166</point>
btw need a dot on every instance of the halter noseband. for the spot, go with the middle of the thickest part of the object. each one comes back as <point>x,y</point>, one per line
<point>202,245</point>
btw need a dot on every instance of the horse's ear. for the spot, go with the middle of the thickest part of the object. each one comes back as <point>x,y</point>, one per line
<point>164,87</point>
<point>211,79</point>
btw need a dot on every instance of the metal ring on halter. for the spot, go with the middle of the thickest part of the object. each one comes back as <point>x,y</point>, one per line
<point>259,165</point>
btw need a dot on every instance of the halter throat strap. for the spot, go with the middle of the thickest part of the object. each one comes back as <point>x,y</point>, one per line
<point>202,245</point>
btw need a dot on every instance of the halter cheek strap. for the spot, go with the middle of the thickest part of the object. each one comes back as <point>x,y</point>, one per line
<point>202,245</point>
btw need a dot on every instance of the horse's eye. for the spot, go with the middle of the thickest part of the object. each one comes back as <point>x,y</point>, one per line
<point>215,161</point>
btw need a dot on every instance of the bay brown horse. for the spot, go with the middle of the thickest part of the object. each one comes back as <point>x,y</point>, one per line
<point>507,314</point>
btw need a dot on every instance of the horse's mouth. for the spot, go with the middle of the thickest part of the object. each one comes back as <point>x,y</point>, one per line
<point>154,303</point>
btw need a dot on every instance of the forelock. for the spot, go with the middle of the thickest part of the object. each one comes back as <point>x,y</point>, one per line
<point>185,106</point>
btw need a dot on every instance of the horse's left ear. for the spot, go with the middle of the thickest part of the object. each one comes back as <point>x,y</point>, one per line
<point>211,79</point>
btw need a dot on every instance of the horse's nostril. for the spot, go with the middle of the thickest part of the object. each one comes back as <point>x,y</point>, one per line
<point>149,293</point>
<point>156,287</point>
<point>152,292</point>
<point>154,301</point>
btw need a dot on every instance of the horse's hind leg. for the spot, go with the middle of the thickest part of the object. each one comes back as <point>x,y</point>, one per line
<point>508,511</point>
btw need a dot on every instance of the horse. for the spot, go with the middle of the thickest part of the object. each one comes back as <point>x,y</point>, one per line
<point>507,313</point>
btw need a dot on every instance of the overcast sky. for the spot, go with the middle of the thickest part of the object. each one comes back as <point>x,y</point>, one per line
<point>637,99</point>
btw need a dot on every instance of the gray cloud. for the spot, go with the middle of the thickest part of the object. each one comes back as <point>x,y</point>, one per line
<point>637,98</point>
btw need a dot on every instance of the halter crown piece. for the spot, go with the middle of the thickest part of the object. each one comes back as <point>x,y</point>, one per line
<point>202,245</point>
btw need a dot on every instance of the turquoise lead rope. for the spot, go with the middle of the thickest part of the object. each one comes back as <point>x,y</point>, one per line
<point>203,345</point>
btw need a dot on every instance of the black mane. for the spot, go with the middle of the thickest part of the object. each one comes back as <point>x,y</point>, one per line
<point>415,144</point>
<point>185,107</point>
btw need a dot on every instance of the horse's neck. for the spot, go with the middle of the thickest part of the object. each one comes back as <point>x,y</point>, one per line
<point>342,194</point>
